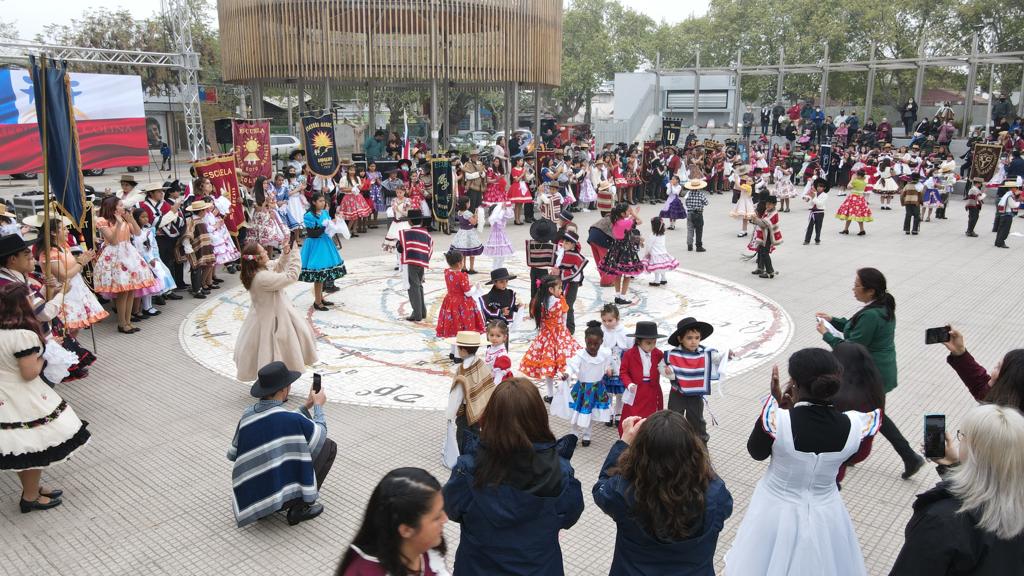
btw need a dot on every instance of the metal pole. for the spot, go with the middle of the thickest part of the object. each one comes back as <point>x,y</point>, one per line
<point>289,105</point>
<point>869,99</point>
<point>371,105</point>
<point>824,80</point>
<point>1020,95</point>
<point>657,83</point>
<point>327,97</point>
<point>257,99</point>
<point>515,107</point>
<point>991,93</point>
<point>778,83</point>
<point>696,89</point>
<point>919,79</point>
<point>433,117</point>
<point>536,117</point>
<point>300,89</point>
<point>241,102</point>
<point>739,92</point>
<point>972,80</point>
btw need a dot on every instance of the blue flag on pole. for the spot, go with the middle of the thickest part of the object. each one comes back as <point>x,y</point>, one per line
<point>59,136</point>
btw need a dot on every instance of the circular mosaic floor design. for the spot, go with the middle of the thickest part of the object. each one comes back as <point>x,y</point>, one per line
<point>370,355</point>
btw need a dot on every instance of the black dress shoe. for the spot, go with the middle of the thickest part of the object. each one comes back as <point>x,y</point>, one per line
<point>320,308</point>
<point>173,296</point>
<point>150,314</point>
<point>548,399</point>
<point>911,468</point>
<point>52,494</point>
<point>159,300</point>
<point>586,442</point>
<point>137,317</point>
<point>303,512</point>
<point>199,295</point>
<point>411,319</point>
<point>30,505</point>
<point>701,249</point>
<point>331,289</point>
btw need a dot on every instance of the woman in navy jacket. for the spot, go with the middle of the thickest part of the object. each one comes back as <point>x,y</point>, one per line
<point>669,505</point>
<point>515,490</point>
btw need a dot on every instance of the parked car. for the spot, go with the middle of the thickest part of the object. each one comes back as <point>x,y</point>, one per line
<point>281,145</point>
<point>86,172</point>
<point>482,139</point>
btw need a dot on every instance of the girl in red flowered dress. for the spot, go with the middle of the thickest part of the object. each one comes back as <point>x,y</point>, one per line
<point>458,310</point>
<point>553,345</point>
<point>519,193</point>
<point>496,193</point>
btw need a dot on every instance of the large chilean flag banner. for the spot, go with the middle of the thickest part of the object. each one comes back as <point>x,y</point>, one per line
<point>108,110</point>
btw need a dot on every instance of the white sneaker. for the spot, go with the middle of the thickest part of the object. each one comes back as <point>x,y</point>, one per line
<point>741,234</point>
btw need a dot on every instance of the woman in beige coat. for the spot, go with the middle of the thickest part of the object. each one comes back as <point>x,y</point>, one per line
<point>273,330</point>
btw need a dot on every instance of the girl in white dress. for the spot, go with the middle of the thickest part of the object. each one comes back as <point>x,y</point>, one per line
<point>796,522</point>
<point>656,258</point>
<point>588,398</point>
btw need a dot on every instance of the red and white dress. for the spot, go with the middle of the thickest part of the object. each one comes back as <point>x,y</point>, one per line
<point>855,208</point>
<point>496,193</point>
<point>553,346</point>
<point>519,192</point>
<point>458,310</point>
<point>353,205</point>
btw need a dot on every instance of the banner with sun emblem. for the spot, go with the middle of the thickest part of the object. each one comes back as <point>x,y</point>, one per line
<point>318,137</point>
<point>252,149</point>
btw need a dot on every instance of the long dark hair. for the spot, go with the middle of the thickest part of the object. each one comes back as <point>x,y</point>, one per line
<point>539,305</point>
<point>259,190</point>
<point>108,208</point>
<point>669,471</point>
<point>249,265</point>
<point>18,313</point>
<point>861,387</point>
<point>816,373</point>
<point>515,418</point>
<point>403,496</point>
<point>873,279</point>
<point>1008,389</point>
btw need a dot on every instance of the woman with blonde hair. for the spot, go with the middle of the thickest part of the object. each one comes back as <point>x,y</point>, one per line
<point>973,521</point>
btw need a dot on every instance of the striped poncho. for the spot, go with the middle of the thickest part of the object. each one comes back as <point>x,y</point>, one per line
<point>273,452</point>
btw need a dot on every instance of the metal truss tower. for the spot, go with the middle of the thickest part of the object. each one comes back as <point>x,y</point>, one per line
<point>179,19</point>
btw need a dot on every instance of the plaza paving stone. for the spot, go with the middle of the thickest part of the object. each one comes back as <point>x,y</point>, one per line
<point>151,493</point>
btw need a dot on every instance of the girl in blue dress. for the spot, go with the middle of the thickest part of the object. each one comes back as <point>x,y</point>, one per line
<point>320,259</point>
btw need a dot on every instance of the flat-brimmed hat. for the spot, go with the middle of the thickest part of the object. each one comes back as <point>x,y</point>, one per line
<point>604,185</point>
<point>1011,183</point>
<point>743,170</point>
<point>570,236</point>
<point>474,152</point>
<point>543,230</point>
<point>690,323</point>
<point>466,339</point>
<point>414,215</point>
<point>695,184</point>
<point>198,205</point>
<point>129,178</point>
<point>37,220</point>
<point>272,378</point>
<point>295,153</point>
<point>978,180</point>
<point>499,274</point>
<point>153,187</point>
<point>12,244</point>
<point>646,330</point>
<point>169,218</point>
<point>565,215</point>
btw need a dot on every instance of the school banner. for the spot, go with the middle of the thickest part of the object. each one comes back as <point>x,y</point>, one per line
<point>60,139</point>
<point>221,172</point>
<point>109,121</point>
<point>985,161</point>
<point>670,130</point>
<point>825,156</point>
<point>318,138</point>
<point>442,188</point>
<point>251,139</point>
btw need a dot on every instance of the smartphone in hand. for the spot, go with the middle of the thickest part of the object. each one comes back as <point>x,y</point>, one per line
<point>316,382</point>
<point>936,335</point>
<point>934,435</point>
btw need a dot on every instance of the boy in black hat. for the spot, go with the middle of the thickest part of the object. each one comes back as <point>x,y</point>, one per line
<point>540,251</point>
<point>691,368</point>
<point>570,263</point>
<point>415,247</point>
<point>767,236</point>
<point>910,198</point>
<point>500,302</point>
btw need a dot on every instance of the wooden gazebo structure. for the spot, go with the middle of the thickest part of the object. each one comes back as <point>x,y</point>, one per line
<point>492,44</point>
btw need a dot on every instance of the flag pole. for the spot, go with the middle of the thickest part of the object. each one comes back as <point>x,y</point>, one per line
<point>44,95</point>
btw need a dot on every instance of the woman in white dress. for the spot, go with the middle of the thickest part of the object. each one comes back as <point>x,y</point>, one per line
<point>796,522</point>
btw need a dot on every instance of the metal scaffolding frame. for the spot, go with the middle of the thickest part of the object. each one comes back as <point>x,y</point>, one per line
<point>871,66</point>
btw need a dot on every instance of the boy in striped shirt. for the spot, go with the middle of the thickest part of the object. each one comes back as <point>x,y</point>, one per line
<point>690,368</point>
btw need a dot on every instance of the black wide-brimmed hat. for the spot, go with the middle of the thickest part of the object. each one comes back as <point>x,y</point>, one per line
<point>543,230</point>
<point>565,215</point>
<point>414,216</point>
<point>499,274</point>
<point>570,236</point>
<point>271,378</point>
<point>12,244</point>
<point>820,182</point>
<point>690,323</point>
<point>646,330</point>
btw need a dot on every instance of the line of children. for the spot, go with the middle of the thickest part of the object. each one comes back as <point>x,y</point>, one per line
<point>458,311</point>
<point>588,400</point>
<point>547,354</point>
<point>657,260</point>
<point>616,340</point>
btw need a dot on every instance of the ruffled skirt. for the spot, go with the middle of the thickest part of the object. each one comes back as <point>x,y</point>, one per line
<point>120,268</point>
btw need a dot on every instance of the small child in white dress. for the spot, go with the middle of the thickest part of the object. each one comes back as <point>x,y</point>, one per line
<point>656,257</point>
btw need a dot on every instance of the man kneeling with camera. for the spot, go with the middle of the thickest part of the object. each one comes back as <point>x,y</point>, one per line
<point>281,457</point>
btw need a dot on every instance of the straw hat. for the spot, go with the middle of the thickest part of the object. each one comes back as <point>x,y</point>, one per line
<point>466,339</point>
<point>37,220</point>
<point>169,218</point>
<point>198,205</point>
<point>153,187</point>
<point>128,178</point>
<point>695,184</point>
<point>604,186</point>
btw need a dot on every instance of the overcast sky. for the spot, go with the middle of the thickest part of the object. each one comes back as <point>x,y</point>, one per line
<point>31,17</point>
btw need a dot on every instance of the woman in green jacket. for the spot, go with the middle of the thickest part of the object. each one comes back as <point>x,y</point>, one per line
<point>874,327</point>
